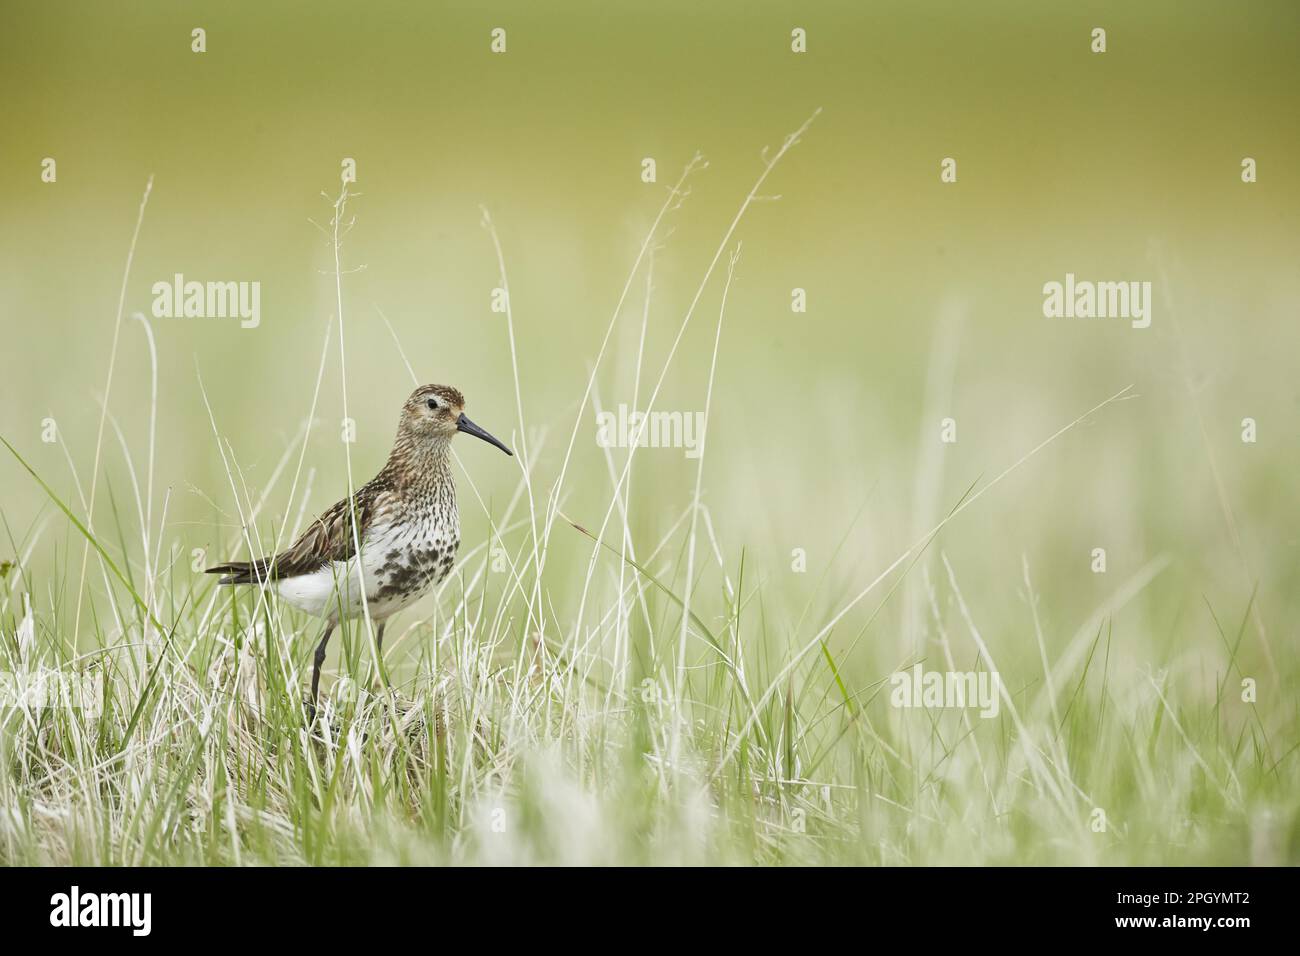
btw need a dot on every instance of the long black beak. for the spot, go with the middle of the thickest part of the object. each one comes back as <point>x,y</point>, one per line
<point>469,428</point>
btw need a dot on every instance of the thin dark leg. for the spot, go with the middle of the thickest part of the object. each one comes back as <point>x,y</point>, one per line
<point>315,674</point>
<point>379,638</point>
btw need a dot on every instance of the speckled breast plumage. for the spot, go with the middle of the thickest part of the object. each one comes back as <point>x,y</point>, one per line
<point>409,558</point>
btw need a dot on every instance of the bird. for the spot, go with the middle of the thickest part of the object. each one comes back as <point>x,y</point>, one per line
<point>404,518</point>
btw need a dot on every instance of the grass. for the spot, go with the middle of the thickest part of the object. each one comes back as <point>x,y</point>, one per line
<point>583,691</point>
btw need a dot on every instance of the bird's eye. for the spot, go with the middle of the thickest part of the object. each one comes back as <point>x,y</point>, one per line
<point>432,403</point>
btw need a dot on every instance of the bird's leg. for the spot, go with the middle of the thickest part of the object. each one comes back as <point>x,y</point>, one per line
<point>315,674</point>
<point>379,653</point>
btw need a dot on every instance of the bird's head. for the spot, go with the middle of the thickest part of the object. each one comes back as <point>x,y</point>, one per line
<point>435,413</point>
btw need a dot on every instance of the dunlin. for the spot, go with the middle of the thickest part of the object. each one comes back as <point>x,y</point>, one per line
<point>405,520</point>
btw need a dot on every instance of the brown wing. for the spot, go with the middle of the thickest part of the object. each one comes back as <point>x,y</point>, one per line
<point>329,538</point>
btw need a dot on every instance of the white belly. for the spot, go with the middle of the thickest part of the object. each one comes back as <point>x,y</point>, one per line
<point>399,564</point>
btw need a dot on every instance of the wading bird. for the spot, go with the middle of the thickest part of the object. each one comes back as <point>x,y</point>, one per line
<point>404,519</point>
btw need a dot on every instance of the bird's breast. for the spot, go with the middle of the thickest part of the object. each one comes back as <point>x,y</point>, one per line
<point>408,556</point>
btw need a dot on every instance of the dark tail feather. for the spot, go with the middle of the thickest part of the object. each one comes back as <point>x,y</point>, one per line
<point>241,572</point>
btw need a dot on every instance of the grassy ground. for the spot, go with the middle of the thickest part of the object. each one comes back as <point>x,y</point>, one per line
<point>497,745</point>
<point>628,669</point>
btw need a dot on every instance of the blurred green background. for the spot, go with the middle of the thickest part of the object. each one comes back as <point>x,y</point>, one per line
<point>924,299</point>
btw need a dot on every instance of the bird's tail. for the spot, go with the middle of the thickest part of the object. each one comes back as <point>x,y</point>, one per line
<point>242,572</point>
